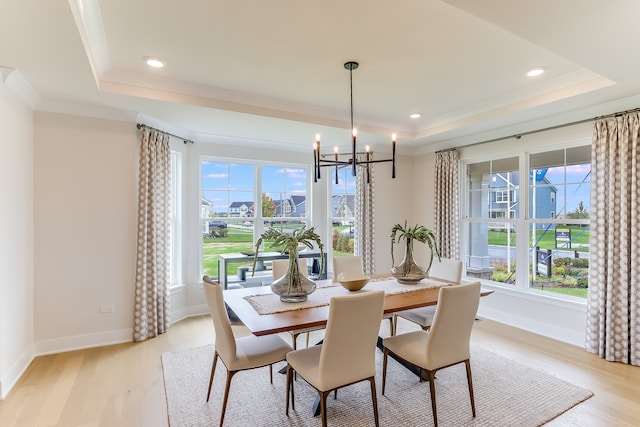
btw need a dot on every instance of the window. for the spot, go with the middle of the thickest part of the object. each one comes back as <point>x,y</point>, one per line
<point>540,241</point>
<point>227,203</point>
<point>238,201</point>
<point>284,195</point>
<point>503,196</point>
<point>342,212</point>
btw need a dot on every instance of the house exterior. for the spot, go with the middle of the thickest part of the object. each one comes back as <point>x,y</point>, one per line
<point>205,211</point>
<point>504,197</point>
<point>284,208</point>
<point>240,209</point>
<point>343,206</point>
<point>299,206</point>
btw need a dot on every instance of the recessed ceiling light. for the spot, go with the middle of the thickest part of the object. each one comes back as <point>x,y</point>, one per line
<point>535,72</point>
<point>415,116</point>
<point>154,62</point>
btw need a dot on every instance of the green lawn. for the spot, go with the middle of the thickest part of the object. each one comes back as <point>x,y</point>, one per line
<point>237,240</point>
<point>576,292</point>
<point>545,238</point>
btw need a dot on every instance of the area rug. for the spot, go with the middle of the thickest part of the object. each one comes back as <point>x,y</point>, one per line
<point>507,393</point>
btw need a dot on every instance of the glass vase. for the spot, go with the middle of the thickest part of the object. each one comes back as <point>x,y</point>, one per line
<point>293,286</point>
<point>408,272</point>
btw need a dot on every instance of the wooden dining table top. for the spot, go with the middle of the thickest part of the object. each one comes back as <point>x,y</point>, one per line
<point>266,324</point>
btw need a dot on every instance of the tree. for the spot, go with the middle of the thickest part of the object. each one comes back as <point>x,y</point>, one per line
<point>268,206</point>
<point>579,212</point>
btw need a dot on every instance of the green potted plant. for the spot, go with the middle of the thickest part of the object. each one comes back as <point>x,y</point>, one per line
<point>408,271</point>
<point>293,286</point>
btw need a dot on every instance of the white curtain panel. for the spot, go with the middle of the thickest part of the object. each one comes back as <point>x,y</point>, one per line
<point>613,305</point>
<point>364,218</point>
<point>151,316</point>
<point>447,204</point>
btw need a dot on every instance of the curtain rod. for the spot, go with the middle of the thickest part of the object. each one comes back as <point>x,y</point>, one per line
<point>578,122</point>
<point>142,125</point>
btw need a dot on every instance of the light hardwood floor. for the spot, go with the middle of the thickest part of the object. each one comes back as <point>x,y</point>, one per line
<point>122,385</point>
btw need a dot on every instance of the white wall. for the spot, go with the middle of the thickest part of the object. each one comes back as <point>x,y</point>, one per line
<point>552,317</point>
<point>85,225</point>
<point>16,237</point>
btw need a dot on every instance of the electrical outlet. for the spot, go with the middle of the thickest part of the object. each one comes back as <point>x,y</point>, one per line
<point>107,308</point>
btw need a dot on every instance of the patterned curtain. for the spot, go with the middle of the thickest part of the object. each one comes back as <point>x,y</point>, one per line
<point>151,316</point>
<point>613,305</point>
<point>364,235</point>
<point>447,204</point>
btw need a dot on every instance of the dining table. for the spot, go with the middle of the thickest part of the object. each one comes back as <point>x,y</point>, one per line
<point>262,312</point>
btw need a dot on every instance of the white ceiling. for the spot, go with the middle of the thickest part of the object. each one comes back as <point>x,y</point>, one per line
<point>273,70</point>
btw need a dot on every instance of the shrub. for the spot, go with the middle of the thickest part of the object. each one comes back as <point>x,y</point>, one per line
<point>558,271</point>
<point>580,262</point>
<point>500,276</point>
<point>583,282</point>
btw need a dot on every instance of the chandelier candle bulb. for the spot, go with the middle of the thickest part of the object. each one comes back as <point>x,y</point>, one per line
<point>315,159</point>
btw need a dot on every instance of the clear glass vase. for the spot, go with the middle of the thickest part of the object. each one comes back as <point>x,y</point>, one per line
<point>293,286</point>
<point>408,272</point>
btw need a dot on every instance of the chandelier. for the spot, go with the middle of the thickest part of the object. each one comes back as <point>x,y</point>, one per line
<point>334,159</point>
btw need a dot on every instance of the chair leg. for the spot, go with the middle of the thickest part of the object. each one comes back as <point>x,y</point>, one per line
<point>307,339</point>
<point>432,390</point>
<point>213,370</point>
<point>289,388</point>
<point>271,373</point>
<point>384,368</point>
<point>323,406</point>
<point>230,375</point>
<point>374,399</point>
<point>395,324</point>
<point>470,382</point>
<point>392,329</point>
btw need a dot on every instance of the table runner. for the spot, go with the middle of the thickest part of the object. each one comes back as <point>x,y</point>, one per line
<point>271,304</point>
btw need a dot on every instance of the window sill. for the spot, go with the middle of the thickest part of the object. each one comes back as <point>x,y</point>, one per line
<point>571,303</point>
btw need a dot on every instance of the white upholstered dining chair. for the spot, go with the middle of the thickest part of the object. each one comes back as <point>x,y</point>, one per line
<point>353,264</point>
<point>445,344</point>
<point>446,269</point>
<point>347,354</point>
<point>279,268</point>
<point>242,353</point>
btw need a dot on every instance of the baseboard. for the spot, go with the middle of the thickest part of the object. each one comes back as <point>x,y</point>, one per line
<point>79,342</point>
<point>11,377</point>
<point>191,311</point>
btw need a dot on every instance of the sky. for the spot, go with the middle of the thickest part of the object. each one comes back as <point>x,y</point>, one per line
<point>577,186</point>
<point>225,183</point>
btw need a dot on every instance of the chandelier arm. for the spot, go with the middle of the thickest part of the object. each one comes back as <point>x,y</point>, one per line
<point>353,162</point>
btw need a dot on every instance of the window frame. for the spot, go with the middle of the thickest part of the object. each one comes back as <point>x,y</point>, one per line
<point>521,224</point>
<point>257,218</point>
